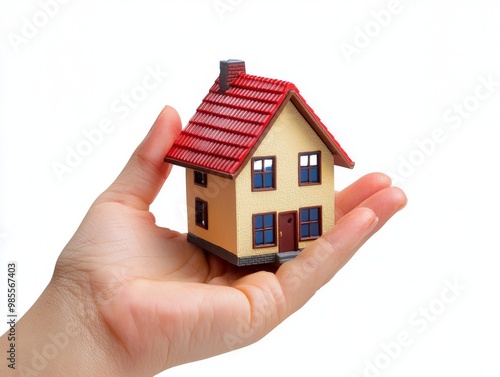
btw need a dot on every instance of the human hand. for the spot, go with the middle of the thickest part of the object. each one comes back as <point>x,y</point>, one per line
<point>146,300</point>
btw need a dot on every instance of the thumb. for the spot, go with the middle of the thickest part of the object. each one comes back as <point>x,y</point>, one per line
<point>144,175</point>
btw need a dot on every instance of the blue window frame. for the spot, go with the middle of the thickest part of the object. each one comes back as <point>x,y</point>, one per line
<point>309,168</point>
<point>264,230</point>
<point>310,223</point>
<point>263,173</point>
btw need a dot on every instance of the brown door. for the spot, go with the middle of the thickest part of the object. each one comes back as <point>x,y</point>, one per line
<point>287,231</point>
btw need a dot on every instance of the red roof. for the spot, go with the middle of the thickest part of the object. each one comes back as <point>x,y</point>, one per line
<point>227,127</point>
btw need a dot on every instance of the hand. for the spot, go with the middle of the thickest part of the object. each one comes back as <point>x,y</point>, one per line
<point>140,299</point>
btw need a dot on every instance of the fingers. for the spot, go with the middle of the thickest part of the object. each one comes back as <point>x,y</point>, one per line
<point>385,203</point>
<point>144,175</point>
<point>319,262</point>
<point>353,195</point>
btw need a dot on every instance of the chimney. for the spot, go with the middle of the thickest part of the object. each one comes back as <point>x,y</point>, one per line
<point>229,70</point>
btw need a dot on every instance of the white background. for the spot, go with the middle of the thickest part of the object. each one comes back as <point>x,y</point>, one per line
<point>382,102</point>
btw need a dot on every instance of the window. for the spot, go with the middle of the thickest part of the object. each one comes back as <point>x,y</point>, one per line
<point>309,168</point>
<point>200,178</point>
<point>264,230</point>
<point>201,213</point>
<point>310,223</point>
<point>263,173</point>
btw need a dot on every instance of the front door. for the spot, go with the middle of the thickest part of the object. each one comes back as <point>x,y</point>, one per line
<point>287,231</point>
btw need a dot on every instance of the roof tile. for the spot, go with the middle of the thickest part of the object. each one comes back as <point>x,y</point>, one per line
<point>227,126</point>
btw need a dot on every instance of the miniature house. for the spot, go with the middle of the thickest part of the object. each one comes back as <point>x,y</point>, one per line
<point>259,169</point>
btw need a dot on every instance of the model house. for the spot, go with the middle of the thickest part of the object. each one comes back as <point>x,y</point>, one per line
<point>259,169</point>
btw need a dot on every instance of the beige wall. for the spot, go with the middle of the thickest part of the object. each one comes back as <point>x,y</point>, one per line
<point>221,197</point>
<point>231,203</point>
<point>288,136</point>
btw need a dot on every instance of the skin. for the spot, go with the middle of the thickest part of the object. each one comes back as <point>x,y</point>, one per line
<point>130,298</point>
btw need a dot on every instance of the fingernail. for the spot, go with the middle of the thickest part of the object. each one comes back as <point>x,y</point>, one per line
<point>373,223</point>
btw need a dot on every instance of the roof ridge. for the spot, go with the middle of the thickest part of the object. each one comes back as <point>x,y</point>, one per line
<point>281,86</point>
<point>262,78</point>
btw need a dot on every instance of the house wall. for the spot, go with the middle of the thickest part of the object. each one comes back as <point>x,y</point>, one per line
<point>221,197</point>
<point>289,135</point>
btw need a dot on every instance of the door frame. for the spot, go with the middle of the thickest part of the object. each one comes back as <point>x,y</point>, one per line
<point>294,234</point>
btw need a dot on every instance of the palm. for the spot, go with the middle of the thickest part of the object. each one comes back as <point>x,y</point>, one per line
<point>166,301</point>
<point>148,266</point>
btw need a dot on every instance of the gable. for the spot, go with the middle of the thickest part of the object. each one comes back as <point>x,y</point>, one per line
<point>289,136</point>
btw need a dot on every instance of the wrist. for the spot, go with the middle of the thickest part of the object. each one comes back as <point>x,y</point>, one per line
<point>58,335</point>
